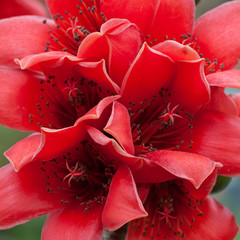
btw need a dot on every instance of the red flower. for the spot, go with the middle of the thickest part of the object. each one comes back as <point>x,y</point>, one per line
<point>171,104</point>
<point>12,8</point>
<point>83,189</point>
<point>176,214</point>
<point>73,21</point>
<point>173,115</point>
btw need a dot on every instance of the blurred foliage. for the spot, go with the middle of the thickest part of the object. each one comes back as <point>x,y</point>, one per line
<point>221,184</point>
<point>197,1</point>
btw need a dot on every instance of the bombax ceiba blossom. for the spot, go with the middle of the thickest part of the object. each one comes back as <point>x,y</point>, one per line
<point>169,78</point>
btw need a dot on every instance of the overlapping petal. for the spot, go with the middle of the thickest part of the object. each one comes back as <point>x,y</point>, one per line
<point>118,43</point>
<point>22,36</point>
<point>192,167</point>
<point>172,20</point>
<point>74,223</point>
<point>23,195</point>
<point>229,78</point>
<point>119,127</point>
<point>185,90</point>
<point>16,106</point>
<point>220,41</point>
<point>216,135</point>
<point>23,151</point>
<point>150,68</point>
<point>217,222</point>
<point>123,203</point>
<point>212,221</point>
<point>70,136</point>
<point>12,8</point>
<point>154,18</point>
<point>222,102</point>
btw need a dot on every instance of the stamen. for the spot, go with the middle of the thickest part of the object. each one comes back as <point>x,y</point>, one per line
<point>170,114</point>
<point>166,214</point>
<point>73,173</point>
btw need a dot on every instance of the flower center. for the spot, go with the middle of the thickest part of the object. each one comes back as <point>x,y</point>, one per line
<point>160,124</point>
<point>63,99</point>
<point>72,28</point>
<point>81,176</point>
<point>172,212</point>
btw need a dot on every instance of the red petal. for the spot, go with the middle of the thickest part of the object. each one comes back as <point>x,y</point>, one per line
<point>54,142</point>
<point>12,8</point>
<point>68,137</point>
<point>110,148</point>
<point>222,102</point>
<point>118,43</point>
<point>22,36</point>
<point>140,12</point>
<point>190,86</point>
<point>123,203</point>
<point>23,195</point>
<point>150,71</point>
<point>74,223</point>
<point>94,47</point>
<point>156,18</point>
<point>217,222</point>
<point>124,43</point>
<point>56,8</point>
<point>229,78</point>
<point>216,135</point>
<point>55,56</point>
<point>208,220</point>
<point>19,96</point>
<point>176,51</point>
<point>218,34</point>
<point>23,151</point>
<point>205,188</point>
<point>119,127</point>
<point>96,71</point>
<point>172,19</point>
<point>192,167</point>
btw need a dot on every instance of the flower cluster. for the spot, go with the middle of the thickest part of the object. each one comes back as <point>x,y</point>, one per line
<point>130,119</point>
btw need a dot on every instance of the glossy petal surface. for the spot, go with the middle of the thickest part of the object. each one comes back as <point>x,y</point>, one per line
<point>123,203</point>
<point>150,68</point>
<point>212,221</point>
<point>22,196</point>
<point>118,126</point>
<point>10,8</point>
<point>23,151</point>
<point>220,41</point>
<point>225,147</point>
<point>16,106</point>
<point>155,18</point>
<point>190,80</point>
<point>22,36</point>
<point>229,78</point>
<point>179,164</point>
<point>73,223</point>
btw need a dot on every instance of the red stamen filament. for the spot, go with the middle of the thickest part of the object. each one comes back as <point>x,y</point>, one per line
<point>73,173</point>
<point>166,214</point>
<point>170,114</point>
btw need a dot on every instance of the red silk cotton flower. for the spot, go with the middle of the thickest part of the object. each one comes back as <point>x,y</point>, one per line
<point>83,189</point>
<point>170,129</point>
<point>162,128</point>
<point>72,22</point>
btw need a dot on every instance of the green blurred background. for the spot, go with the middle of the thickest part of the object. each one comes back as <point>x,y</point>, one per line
<point>230,197</point>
